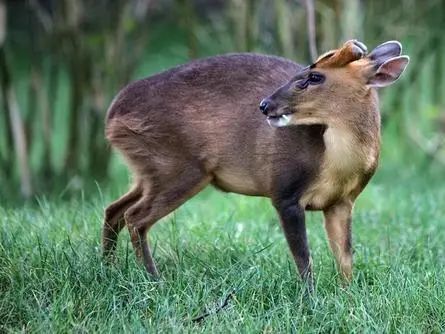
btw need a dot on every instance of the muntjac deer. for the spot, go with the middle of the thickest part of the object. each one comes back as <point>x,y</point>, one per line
<point>313,145</point>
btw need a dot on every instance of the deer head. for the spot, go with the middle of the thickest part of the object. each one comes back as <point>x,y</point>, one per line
<point>339,86</point>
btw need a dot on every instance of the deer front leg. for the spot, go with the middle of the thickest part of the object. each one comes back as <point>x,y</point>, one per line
<point>338,229</point>
<point>293,222</point>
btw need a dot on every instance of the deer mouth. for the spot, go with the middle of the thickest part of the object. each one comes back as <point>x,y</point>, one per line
<point>279,121</point>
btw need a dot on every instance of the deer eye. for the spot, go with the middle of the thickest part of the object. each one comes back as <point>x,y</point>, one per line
<point>315,78</point>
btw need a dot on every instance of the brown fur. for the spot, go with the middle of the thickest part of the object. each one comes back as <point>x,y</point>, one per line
<point>199,123</point>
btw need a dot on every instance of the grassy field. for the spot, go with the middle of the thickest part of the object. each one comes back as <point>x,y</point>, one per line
<point>52,278</point>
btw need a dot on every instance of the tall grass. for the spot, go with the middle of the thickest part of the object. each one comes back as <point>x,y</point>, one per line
<point>52,278</point>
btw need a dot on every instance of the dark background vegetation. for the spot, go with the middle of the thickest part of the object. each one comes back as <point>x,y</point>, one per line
<point>62,61</point>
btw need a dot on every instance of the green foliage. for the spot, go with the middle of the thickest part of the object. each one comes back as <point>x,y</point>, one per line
<point>76,70</point>
<point>52,278</point>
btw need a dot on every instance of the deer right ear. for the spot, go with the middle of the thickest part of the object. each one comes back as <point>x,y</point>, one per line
<point>388,72</point>
<point>385,51</point>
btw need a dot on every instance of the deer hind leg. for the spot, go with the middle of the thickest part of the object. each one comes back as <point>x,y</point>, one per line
<point>158,200</point>
<point>114,219</point>
<point>338,229</point>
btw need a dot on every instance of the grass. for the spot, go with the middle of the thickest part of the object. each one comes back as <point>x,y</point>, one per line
<point>52,278</point>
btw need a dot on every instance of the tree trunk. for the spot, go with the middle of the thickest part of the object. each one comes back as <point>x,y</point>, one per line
<point>285,31</point>
<point>351,20</point>
<point>242,17</point>
<point>17,128</point>
<point>187,14</point>
<point>47,109</point>
<point>311,33</point>
<point>72,154</point>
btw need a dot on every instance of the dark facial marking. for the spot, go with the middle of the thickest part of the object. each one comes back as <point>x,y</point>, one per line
<point>306,77</point>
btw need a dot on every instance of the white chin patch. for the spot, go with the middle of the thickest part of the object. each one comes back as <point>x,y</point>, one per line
<point>278,122</point>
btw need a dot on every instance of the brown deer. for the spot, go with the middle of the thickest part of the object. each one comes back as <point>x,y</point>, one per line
<point>315,148</point>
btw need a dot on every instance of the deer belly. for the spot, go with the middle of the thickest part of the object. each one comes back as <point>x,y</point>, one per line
<point>237,182</point>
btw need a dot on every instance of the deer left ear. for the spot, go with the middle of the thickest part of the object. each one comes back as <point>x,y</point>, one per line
<point>388,72</point>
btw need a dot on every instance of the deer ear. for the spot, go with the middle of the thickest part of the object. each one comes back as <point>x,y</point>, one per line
<point>388,72</point>
<point>385,51</point>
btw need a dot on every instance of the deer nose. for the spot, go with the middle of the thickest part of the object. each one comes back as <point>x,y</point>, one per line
<point>264,106</point>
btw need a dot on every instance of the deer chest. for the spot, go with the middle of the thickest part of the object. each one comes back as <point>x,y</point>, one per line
<point>345,168</point>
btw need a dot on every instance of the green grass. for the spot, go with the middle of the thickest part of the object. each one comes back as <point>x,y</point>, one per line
<point>52,278</point>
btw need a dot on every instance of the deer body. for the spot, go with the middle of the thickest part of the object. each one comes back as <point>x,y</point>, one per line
<point>199,124</point>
